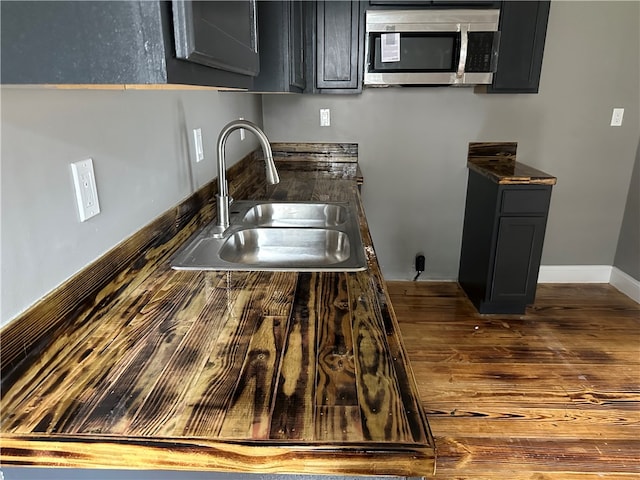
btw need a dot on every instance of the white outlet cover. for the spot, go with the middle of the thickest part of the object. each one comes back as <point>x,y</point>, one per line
<point>616,117</point>
<point>325,117</point>
<point>84,181</point>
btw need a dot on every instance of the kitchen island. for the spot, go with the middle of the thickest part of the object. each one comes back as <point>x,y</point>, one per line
<point>134,365</point>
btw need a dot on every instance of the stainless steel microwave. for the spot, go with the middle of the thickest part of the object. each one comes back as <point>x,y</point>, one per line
<point>431,47</point>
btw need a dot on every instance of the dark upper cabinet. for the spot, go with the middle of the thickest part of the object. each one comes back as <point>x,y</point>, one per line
<point>281,31</point>
<point>105,42</point>
<point>216,34</point>
<point>523,27</point>
<point>336,42</point>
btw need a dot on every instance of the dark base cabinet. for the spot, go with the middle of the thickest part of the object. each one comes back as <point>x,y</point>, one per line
<point>502,242</point>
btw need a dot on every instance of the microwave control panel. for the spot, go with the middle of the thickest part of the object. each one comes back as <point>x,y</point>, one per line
<point>480,52</point>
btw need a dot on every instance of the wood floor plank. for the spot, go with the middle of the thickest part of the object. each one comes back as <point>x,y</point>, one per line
<point>538,423</point>
<point>552,394</point>
<point>505,456</point>
<point>463,354</point>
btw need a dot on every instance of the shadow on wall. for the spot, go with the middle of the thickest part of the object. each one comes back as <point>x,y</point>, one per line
<point>183,146</point>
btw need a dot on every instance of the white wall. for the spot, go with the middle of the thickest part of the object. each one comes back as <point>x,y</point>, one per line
<point>413,143</point>
<point>142,149</point>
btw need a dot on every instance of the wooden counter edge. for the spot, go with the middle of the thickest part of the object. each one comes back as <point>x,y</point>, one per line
<point>200,454</point>
<point>543,179</point>
<point>376,273</point>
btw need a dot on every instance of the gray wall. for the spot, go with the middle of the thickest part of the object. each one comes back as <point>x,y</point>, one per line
<point>413,144</point>
<point>142,149</point>
<point>628,252</point>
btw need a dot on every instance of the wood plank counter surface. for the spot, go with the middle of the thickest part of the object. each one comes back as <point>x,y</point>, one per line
<point>263,372</point>
<point>497,161</point>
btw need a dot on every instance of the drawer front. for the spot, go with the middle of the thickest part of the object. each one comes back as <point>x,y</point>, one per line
<point>525,201</point>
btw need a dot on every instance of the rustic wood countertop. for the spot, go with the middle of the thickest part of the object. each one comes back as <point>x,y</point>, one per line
<point>263,372</point>
<point>497,161</point>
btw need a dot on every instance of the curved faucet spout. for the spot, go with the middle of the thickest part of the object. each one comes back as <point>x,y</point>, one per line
<point>223,191</point>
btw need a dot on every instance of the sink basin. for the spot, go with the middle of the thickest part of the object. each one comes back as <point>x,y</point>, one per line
<point>296,214</point>
<point>279,236</point>
<point>290,247</point>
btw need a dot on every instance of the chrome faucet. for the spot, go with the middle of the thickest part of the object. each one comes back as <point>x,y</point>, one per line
<point>222,197</point>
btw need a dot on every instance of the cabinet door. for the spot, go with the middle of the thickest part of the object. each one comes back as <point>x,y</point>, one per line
<point>281,29</point>
<point>337,45</point>
<point>296,45</point>
<point>222,34</point>
<point>72,42</point>
<point>517,259</point>
<point>523,27</point>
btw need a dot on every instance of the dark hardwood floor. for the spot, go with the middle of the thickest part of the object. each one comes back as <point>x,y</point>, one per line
<point>553,394</point>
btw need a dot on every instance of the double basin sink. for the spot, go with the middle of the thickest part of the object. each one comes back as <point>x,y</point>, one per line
<point>279,236</point>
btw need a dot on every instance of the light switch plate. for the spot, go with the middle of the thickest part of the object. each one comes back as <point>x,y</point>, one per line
<point>84,181</point>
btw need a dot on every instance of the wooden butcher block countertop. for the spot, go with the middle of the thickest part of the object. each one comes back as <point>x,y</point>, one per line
<point>497,161</point>
<point>263,372</point>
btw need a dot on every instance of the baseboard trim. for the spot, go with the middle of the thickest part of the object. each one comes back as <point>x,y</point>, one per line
<point>626,284</point>
<point>591,274</point>
<point>574,274</point>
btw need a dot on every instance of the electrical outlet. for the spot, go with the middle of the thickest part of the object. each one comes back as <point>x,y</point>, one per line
<point>616,117</point>
<point>197,140</point>
<point>84,181</point>
<point>325,117</point>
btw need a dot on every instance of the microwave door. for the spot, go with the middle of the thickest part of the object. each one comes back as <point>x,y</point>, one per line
<point>436,47</point>
<point>424,58</point>
<point>434,58</point>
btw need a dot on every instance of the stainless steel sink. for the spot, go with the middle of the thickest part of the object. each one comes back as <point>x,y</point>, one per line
<point>279,236</point>
<point>287,214</point>
<point>289,247</point>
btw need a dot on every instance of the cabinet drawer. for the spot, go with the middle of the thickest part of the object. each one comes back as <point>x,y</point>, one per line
<point>525,201</point>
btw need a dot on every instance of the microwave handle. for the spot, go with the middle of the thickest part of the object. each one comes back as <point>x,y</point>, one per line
<point>464,41</point>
